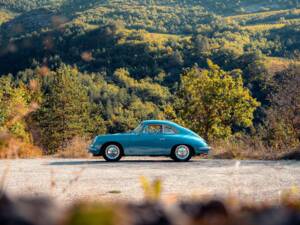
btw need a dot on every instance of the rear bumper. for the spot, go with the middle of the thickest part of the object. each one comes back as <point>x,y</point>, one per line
<point>95,150</point>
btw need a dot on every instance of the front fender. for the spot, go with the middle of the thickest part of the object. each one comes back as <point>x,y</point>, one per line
<point>199,145</point>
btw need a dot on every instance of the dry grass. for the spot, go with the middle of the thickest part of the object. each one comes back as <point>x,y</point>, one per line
<point>262,14</point>
<point>243,148</point>
<point>29,151</point>
<point>11,148</point>
<point>161,38</point>
<point>277,64</point>
<point>263,27</point>
<point>76,148</point>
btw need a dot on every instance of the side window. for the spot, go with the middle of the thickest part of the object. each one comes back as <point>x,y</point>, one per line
<point>153,129</point>
<point>169,130</point>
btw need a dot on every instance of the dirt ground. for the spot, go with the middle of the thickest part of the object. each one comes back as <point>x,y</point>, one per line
<point>69,179</point>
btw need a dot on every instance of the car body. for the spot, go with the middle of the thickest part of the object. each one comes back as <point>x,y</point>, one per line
<point>151,138</point>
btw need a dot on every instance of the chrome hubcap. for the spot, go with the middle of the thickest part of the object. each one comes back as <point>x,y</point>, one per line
<point>112,151</point>
<point>182,152</point>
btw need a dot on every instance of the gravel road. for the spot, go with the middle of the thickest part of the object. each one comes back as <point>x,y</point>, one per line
<point>69,179</point>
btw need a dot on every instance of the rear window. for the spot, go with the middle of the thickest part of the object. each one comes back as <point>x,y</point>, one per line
<point>169,130</point>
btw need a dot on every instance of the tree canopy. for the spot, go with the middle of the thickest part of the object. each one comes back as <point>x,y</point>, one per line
<point>65,110</point>
<point>214,102</point>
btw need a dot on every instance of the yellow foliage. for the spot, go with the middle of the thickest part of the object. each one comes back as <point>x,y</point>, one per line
<point>152,190</point>
<point>5,16</point>
<point>16,102</point>
<point>94,214</point>
<point>290,197</point>
<point>213,101</point>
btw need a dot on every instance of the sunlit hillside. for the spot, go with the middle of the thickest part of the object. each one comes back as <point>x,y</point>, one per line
<point>131,59</point>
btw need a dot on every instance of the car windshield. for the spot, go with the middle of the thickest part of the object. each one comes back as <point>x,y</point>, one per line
<point>138,129</point>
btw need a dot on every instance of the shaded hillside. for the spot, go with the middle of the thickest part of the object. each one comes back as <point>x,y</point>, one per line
<point>33,21</point>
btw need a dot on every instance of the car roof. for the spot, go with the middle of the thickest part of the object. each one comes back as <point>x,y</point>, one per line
<point>164,122</point>
<point>182,129</point>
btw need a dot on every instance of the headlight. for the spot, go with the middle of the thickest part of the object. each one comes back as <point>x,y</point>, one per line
<point>94,141</point>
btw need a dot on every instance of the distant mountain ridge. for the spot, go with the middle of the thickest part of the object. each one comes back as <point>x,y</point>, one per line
<point>160,16</point>
<point>220,7</point>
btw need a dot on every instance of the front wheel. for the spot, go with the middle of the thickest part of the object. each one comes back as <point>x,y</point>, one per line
<point>181,153</point>
<point>112,153</point>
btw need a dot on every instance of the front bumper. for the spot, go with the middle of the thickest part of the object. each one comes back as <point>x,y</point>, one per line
<point>203,150</point>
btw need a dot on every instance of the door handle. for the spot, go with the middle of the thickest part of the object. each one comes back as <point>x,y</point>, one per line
<point>162,139</point>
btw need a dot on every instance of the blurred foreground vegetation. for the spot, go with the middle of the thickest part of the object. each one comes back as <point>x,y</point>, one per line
<point>72,69</point>
<point>41,211</point>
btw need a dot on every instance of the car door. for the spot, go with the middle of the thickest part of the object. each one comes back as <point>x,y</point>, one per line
<point>148,141</point>
<point>168,139</point>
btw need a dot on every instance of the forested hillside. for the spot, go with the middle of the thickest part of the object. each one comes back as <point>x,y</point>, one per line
<point>145,59</point>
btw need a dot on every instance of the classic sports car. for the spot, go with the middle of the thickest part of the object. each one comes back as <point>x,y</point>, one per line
<point>150,138</point>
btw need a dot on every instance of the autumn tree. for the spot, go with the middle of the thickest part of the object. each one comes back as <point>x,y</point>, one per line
<point>212,102</point>
<point>16,102</point>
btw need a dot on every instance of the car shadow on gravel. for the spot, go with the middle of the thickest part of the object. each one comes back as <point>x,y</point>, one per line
<point>198,162</point>
<point>72,163</point>
<point>209,163</point>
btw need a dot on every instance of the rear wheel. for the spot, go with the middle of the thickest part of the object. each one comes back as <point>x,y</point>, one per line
<point>112,153</point>
<point>181,153</point>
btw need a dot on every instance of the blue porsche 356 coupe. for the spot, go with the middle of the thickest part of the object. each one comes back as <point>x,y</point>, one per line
<point>151,138</point>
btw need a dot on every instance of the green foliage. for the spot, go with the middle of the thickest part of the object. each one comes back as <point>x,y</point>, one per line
<point>128,101</point>
<point>64,113</point>
<point>213,102</point>
<point>143,88</point>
